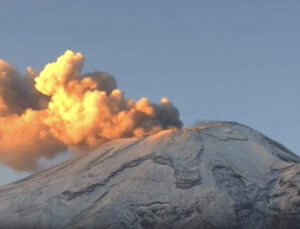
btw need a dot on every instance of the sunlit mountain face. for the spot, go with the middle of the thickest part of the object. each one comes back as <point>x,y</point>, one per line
<point>218,175</point>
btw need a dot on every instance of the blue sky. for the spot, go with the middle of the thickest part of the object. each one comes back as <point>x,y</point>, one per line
<point>215,60</point>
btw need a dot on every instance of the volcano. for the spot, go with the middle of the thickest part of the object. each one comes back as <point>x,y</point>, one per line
<point>218,175</point>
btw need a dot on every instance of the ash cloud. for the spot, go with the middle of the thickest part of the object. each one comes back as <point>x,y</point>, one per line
<point>45,113</point>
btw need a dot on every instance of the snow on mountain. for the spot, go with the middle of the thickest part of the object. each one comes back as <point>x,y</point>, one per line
<point>219,175</point>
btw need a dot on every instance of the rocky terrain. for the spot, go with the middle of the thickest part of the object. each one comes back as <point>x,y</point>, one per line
<point>221,175</point>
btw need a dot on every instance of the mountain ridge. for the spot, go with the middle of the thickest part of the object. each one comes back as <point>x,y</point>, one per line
<point>219,175</point>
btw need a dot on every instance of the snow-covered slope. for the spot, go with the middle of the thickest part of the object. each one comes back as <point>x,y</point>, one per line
<point>222,175</point>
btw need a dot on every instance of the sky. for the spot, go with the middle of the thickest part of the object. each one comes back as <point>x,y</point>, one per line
<point>215,60</point>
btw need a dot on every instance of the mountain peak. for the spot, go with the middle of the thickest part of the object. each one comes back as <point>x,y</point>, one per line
<point>216,175</point>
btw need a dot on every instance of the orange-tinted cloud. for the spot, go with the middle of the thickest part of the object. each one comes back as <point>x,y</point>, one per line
<point>46,112</point>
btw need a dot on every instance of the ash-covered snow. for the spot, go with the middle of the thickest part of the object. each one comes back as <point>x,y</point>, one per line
<point>222,175</point>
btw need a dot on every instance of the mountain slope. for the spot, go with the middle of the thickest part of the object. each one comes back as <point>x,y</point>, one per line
<point>222,175</point>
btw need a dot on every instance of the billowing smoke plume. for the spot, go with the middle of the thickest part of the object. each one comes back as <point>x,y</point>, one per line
<point>45,113</point>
